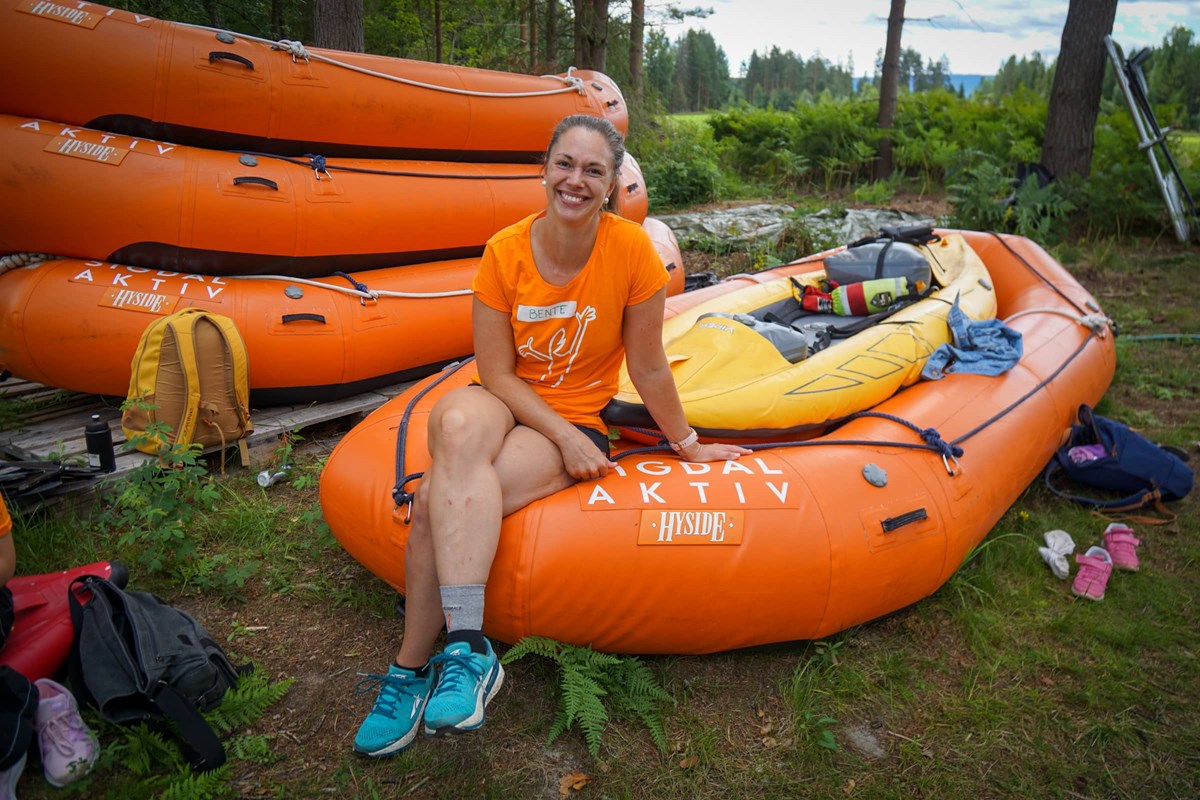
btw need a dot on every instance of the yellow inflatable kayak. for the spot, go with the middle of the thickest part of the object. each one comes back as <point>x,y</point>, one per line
<point>751,363</point>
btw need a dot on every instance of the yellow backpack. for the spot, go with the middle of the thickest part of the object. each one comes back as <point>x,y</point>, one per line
<point>190,372</point>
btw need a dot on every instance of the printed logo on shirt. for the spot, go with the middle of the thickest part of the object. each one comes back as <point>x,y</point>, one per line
<point>542,313</point>
<point>561,347</point>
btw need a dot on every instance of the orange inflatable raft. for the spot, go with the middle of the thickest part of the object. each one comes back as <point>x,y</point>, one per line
<point>796,541</point>
<point>75,324</point>
<point>89,194</point>
<point>86,64</point>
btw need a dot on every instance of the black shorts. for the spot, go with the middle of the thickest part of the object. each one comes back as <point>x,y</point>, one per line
<point>599,439</point>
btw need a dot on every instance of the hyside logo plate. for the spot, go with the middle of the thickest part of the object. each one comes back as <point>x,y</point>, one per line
<point>71,14</point>
<point>128,299</point>
<point>101,153</point>
<point>687,527</point>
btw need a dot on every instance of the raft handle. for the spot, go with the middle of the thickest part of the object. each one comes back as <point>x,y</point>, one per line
<point>633,187</point>
<point>303,318</point>
<point>270,184</point>
<point>892,523</point>
<point>217,55</point>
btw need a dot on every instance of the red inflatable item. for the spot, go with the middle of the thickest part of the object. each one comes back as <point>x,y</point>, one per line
<point>41,635</point>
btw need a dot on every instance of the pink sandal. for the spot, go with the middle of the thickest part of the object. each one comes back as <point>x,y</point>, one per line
<point>1095,566</point>
<point>1121,544</point>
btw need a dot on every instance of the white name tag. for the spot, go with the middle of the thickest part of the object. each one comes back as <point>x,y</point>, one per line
<point>541,313</point>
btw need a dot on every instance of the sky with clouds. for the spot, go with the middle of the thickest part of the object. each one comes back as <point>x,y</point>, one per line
<point>976,35</point>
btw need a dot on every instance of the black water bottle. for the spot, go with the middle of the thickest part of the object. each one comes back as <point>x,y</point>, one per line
<point>100,445</point>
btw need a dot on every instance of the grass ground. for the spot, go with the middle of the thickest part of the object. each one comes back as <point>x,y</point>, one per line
<point>999,685</point>
<point>1186,146</point>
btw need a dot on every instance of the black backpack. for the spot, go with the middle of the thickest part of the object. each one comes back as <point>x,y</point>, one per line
<point>138,659</point>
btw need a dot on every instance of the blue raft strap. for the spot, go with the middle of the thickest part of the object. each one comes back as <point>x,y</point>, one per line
<point>931,438</point>
<point>949,452</point>
<point>318,165</point>
<point>359,286</point>
<point>400,493</point>
<point>329,170</point>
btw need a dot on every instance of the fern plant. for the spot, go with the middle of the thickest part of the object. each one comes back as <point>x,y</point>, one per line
<point>149,765</point>
<point>596,687</point>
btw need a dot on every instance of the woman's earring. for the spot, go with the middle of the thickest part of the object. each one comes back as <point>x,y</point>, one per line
<point>543,181</point>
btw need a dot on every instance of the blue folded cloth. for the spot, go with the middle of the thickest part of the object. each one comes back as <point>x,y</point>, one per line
<point>980,347</point>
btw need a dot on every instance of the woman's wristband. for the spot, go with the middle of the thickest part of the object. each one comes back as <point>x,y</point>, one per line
<point>685,442</point>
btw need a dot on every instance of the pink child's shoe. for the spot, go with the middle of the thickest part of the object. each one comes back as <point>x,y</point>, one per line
<point>1095,566</point>
<point>69,748</point>
<point>1121,544</point>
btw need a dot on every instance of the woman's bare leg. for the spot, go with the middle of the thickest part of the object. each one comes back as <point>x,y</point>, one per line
<point>483,468</point>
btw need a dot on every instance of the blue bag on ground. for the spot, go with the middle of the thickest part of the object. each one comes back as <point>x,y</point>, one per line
<point>1106,454</point>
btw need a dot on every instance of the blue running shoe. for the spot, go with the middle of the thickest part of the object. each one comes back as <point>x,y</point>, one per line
<point>393,722</point>
<point>467,684</point>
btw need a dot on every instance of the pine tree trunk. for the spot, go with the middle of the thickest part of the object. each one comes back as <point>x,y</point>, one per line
<point>551,48</point>
<point>533,36</point>
<point>583,48</point>
<point>889,87</point>
<point>1075,95</point>
<point>637,46</point>
<point>437,31</point>
<point>599,34</point>
<point>338,24</point>
<point>277,19</point>
<point>591,34</point>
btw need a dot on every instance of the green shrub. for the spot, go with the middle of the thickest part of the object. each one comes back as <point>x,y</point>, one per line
<point>974,193</point>
<point>971,146</point>
<point>680,164</point>
<point>984,199</point>
<point>1121,196</point>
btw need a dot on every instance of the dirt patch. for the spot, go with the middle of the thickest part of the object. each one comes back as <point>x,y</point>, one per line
<point>722,266</point>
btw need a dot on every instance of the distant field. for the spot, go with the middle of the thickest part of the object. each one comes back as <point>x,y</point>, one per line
<point>1187,146</point>
<point>694,118</point>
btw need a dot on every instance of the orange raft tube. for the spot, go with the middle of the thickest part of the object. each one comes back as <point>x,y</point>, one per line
<point>127,73</point>
<point>75,324</point>
<point>792,542</point>
<point>89,194</point>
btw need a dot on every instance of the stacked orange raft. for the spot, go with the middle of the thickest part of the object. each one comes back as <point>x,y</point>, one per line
<point>798,540</point>
<point>128,73</point>
<point>161,225</point>
<point>308,340</point>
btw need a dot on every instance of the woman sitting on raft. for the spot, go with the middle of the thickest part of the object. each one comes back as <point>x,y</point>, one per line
<point>560,298</point>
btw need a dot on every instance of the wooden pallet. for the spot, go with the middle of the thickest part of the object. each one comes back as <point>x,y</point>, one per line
<point>53,428</point>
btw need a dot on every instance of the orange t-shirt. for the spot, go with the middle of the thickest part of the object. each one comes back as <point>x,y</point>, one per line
<point>568,338</point>
<point>5,520</point>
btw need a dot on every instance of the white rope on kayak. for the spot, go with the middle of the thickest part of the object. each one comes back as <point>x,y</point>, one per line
<point>571,83</point>
<point>297,50</point>
<point>370,294</point>
<point>17,260</point>
<point>1097,323</point>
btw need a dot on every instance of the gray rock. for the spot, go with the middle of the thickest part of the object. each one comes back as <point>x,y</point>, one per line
<point>855,223</point>
<point>765,222</point>
<point>863,741</point>
<point>743,225</point>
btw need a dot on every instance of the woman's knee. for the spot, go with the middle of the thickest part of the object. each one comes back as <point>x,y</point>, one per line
<point>467,424</point>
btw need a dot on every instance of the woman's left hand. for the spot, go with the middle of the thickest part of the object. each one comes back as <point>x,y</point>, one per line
<point>700,451</point>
